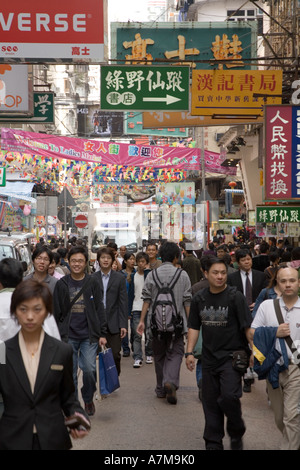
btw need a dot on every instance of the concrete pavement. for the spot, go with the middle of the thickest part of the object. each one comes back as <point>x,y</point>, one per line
<point>133,418</point>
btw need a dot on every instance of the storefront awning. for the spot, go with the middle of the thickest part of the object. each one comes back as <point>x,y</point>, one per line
<point>18,190</point>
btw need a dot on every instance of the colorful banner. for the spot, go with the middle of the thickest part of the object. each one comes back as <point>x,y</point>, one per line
<point>282,152</point>
<point>107,153</point>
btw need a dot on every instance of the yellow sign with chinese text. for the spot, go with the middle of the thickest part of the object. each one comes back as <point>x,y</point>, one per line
<point>222,93</point>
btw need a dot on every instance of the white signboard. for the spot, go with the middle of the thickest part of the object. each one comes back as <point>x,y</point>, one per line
<point>15,89</point>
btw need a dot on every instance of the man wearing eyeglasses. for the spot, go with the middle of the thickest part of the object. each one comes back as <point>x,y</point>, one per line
<point>42,257</point>
<point>79,313</point>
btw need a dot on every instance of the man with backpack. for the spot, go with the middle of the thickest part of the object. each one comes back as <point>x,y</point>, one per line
<point>224,317</point>
<point>166,297</point>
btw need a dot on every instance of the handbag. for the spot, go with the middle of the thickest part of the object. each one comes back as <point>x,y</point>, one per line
<point>288,339</point>
<point>108,374</point>
<point>240,361</point>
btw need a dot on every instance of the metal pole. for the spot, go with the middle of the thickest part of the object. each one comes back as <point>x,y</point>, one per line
<point>65,215</point>
<point>203,183</point>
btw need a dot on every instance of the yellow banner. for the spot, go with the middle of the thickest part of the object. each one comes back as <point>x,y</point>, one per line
<point>222,93</point>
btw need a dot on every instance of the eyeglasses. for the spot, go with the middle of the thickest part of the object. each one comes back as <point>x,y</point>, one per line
<point>42,258</point>
<point>77,261</point>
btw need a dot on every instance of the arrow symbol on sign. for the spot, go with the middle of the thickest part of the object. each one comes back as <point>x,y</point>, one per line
<point>167,99</point>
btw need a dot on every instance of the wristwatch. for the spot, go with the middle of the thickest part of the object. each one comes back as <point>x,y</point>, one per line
<point>188,354</point>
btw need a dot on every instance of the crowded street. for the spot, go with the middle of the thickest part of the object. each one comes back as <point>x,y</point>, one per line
<point>133,418</point>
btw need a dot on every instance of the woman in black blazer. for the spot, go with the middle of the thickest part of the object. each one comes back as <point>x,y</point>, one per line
<point>36,379</point>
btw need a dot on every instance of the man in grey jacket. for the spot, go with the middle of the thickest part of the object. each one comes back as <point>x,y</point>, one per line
<point>167,351</point>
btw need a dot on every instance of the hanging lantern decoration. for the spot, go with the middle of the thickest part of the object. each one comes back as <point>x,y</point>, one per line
<point>232,184</point>
<point>9,157</point>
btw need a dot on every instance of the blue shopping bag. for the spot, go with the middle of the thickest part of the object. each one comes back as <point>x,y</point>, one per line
<point>108,374</point>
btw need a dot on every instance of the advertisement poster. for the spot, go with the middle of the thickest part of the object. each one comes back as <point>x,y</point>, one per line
<point>175,194</point>
<point>53,30</point>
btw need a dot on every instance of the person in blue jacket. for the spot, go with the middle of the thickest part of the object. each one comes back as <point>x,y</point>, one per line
<point>285,398</point>
<point>270,292</point>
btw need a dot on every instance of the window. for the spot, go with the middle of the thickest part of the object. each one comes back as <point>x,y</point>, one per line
<point>247,15</point>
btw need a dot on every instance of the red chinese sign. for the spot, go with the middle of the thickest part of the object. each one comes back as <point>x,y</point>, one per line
<point>279,167</point>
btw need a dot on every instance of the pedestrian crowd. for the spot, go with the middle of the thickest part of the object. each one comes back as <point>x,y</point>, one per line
<point>215,306</point>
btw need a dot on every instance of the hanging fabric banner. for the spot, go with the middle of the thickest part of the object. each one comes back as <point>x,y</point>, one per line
<point>106,152</point>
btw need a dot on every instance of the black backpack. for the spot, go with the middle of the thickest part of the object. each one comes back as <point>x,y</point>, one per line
<point>165,320</point>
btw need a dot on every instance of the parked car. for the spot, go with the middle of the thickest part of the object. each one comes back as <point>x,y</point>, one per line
<point>17,246</point>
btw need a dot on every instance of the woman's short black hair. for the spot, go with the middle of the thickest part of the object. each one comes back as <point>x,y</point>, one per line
<point>31,289</point>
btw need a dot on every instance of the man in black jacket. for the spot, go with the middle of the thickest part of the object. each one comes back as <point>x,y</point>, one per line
<point>82,324</point>
<point>258,279</point>
<point>113,291</point>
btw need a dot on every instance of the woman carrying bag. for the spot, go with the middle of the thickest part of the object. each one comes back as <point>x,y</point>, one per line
<point>36,380</point>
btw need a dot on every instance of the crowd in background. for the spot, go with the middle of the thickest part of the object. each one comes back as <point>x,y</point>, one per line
<point>111,289</point>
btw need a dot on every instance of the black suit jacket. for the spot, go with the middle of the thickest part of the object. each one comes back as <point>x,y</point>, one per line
<point>54,394</point>
<point>259,281</point>
<point>116,301</point>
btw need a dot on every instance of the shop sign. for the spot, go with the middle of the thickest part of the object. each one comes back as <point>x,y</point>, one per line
<point>2,176</point>
<point>144,88</point>
<point>277,214</point>
<point>195,43</point>
<point>15,89</point>
<point>43,110</point>
<point>237,92</point>
<point>53,30</point>
<point>282,165</point>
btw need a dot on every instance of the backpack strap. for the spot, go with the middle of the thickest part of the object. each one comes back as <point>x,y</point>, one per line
<point>288,339</point>
<point>173,280</point>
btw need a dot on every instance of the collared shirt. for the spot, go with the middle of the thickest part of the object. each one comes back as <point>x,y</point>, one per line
<point>266,316</point>
<point>105,279</point>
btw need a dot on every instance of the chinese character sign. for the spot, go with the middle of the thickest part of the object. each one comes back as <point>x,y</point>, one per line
<point>143,87</point>
<point>52,30</point>
<point>282,165</point>
<point>191,44</point>
<point>277,214</point>
<point>238,92</point>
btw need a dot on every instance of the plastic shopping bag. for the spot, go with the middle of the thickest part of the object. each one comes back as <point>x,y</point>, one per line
<point>108,374</point>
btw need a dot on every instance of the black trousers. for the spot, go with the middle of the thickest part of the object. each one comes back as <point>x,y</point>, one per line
<point>114,342</point>
<point>221,393</point>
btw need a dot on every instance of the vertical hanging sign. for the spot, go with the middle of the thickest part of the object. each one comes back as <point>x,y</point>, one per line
<point>282,165</point>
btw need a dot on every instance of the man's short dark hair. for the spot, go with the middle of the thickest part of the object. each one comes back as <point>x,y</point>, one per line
<point>11,272</point>
<point>39,249</point>
<point>169,251</point>
<point>63,252</point>
<point>242,254</point>
<point>105,251</point>
<point>142,255</point>
<point>296,253</point>
<point>214,260</point>
<point>78,249</point>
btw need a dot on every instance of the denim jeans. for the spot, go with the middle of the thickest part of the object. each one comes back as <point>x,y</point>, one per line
<point>84,357</point>
<point>137,339</point>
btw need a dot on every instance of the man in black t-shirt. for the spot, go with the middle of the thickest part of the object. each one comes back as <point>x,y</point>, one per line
<point>81,320</point>
<point>224,317</point>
